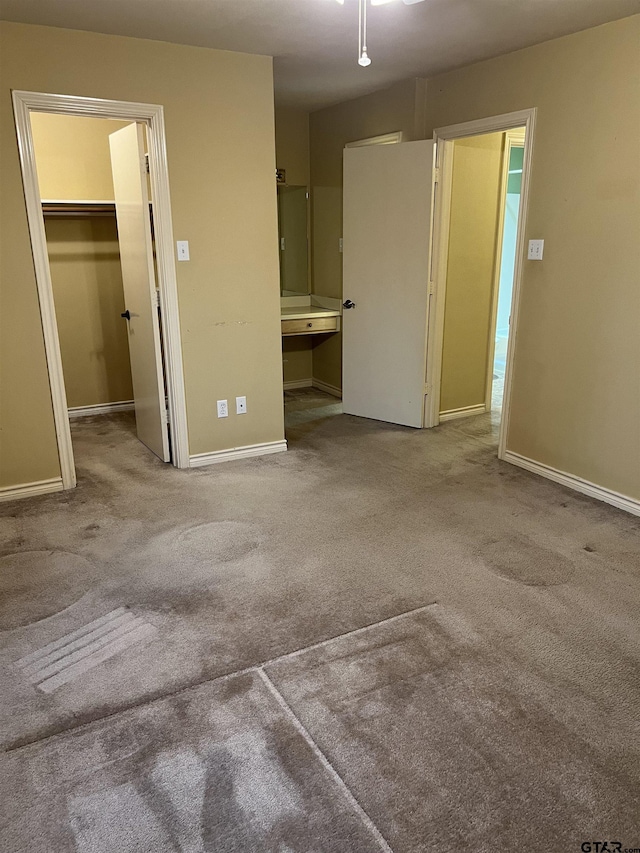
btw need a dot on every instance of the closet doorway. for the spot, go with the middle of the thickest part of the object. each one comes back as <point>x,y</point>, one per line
<point>96,187</point>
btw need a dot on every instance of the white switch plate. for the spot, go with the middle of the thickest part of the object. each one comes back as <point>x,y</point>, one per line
<point>241,405</point>
<point>183,250</point>
<point>536,248</point>
<point>223,409</point>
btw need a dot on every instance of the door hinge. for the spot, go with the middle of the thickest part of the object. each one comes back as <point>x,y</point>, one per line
<point>426,389</point>
<point>146,163</point>
<point>166,416</point>
<point>436,174</point>
<point>156,298</point>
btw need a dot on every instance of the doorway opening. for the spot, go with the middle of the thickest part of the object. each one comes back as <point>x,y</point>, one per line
<point>86,271</point>
<point>482,234</point>
<point>98,222</point>
<point>482,172</point>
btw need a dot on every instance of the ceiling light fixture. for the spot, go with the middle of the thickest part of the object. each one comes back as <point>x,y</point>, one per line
<point>363,56</point>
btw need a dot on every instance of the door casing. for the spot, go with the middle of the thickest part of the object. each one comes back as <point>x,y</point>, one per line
<point>152,115</point>
<point>444,138</point>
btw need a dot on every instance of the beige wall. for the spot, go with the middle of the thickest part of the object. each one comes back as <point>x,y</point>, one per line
<point>400,107</point>
<point>84,259</point>
<point>72,156</point>
<point>292,155</point>
<point>220,141</point>
<point>297,353</point>
<point>576,389</point>
<point>292,144</point>
<point>473,228</point>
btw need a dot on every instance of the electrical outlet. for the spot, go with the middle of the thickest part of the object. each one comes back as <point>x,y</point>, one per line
<point>223,409</point>
<point>241,405</point>
<point>536,249</point>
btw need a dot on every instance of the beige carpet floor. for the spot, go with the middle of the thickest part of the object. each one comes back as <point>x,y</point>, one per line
<point>383,639</point>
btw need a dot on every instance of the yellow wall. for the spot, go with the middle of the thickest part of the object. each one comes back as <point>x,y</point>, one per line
<point>473,228</point>
<point>72,155</point>
<point>220,141</point>
<point>292,144</point>
<point>84,259</point>
<point>576,388</point>
<point>399,107</point>
<point>292,155</point>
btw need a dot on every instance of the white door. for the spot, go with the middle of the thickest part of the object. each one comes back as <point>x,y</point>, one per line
<point>138,277</point>
<point>387,237</point>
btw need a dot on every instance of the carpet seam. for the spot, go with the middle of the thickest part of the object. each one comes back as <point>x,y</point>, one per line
<point>328,766</point>
<point>18,744</point>
<point>322,643</point>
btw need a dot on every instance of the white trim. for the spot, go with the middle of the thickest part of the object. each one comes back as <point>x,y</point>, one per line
<point>292,384</point>
<point>21,106</point>
<point>383,139</point>
<point>199,459</point>
<point>30,490</point>
<point>153,116</point>
<point>101,409</point>
<point>600,493</point>
<point>453,414</point>
<point>328,389</point>
<point>445,137</point>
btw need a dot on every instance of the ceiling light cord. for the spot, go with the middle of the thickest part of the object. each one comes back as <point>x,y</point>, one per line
<point>363,57</point>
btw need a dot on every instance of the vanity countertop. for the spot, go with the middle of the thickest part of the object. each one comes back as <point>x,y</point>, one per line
<point>300,313</point>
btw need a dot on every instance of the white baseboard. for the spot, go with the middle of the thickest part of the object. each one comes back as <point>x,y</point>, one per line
<point>292,384</point>
<point>452,414</point>
<point>199,459</point>
<point>329,389</point>
<point>616,499</point>
<point>313,383</point>
<point>101,409</point>
<point>30,490</point>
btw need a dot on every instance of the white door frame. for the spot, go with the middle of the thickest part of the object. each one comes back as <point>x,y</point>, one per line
<point>445,137</point>
<point>152,115</point>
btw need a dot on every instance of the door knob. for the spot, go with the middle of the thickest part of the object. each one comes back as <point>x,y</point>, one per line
<point>126,315</point>
<point>348,304</point>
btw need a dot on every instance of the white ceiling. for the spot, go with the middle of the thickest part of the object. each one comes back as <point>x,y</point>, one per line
<point>314,42</point>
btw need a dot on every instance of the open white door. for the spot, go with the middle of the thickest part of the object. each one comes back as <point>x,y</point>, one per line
<point>387,237</point>
<point>138,277</point>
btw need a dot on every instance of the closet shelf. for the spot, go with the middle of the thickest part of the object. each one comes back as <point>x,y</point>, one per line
<point>64,207</point>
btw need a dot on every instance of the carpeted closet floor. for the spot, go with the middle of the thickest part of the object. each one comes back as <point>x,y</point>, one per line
<point>384,639</point>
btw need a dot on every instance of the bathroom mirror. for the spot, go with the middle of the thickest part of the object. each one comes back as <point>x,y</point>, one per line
<point>293,233</point>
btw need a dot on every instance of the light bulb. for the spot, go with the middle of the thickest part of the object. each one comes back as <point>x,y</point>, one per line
<point>364,58</point>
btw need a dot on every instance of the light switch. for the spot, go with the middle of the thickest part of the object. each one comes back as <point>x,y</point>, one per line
<point>183,250</point>
<point>536,248</point>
